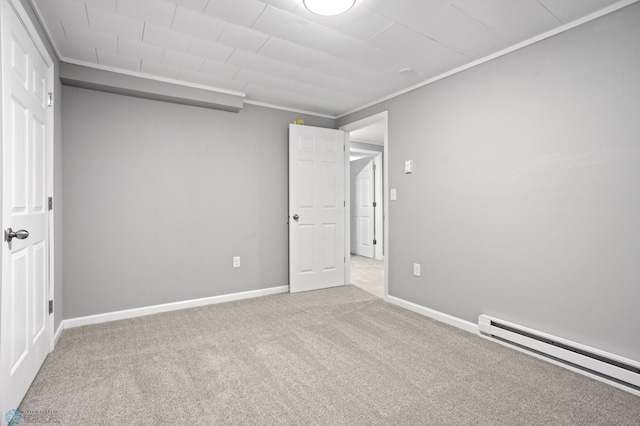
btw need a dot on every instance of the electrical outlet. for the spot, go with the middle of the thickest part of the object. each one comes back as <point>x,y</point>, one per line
<point>408,166</point>
<point>236,261</point>
<point>416,269</point>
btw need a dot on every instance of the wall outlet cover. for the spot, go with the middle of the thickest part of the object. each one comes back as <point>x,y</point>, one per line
<point>408,166</point>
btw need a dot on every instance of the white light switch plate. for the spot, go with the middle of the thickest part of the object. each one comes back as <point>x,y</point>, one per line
<point>416,269</point>
<point>393,195</point>
<point>236,261</point>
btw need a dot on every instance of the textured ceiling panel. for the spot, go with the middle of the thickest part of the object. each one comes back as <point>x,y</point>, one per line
<point>568,10</point>
<point>154,11</point>
<point>197,24</point>
<point>111,59</point>
<point>113,23</point>
<point>279,53</point>
<point>242,38</point>
<point>137,49</point>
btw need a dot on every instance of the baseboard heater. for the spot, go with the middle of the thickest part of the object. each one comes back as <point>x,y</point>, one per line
<point>617,369</point>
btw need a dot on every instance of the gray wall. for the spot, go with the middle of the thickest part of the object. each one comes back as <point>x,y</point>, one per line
<point>524,202</point>
<point>159,197</point>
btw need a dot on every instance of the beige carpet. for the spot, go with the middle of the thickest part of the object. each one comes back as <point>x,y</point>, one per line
<point>368,274</point>
<point>329,357</point>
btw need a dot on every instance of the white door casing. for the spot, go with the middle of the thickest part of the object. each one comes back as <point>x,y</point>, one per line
<point>362,210</point>
<point>379,209</point>
<point>25,335</point>
<point>316,208</point>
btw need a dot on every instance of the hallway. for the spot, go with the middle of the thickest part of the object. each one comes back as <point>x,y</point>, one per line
<point>368,274</point>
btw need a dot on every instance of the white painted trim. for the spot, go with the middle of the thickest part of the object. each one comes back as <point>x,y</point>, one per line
<point>385,177</point>
<point>566,27</point>
<point>31,30</point>
<point>436,315</point>
<point>152,77</point>
<point>281,108</point>
<point>347,207</point>
<point>45,27</point>
<point>564,365</point>
<point>364,122</point>
<point>50,154</point>
<point>379,209</point>
<point>167,307</point>
<point>58,333</point>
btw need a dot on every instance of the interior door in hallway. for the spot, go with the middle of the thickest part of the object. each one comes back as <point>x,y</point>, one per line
<point>316,208</point>
<point>25,337</point>
<point>362,210</point>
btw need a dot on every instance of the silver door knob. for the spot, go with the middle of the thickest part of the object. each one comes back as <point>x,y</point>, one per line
<point>296,217</point>
<point>10,234</point>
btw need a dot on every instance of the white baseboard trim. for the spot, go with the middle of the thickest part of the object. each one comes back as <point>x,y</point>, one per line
<point>167,307</point>
<point>436,315</point>
<point>58,333</point>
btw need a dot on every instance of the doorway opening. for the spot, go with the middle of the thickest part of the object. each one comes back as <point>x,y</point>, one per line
<point>368,204</point>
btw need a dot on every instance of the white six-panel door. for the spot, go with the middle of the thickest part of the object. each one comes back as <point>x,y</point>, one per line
<point>25,336</point>
<point>316,208</point>
<point>362,210</point>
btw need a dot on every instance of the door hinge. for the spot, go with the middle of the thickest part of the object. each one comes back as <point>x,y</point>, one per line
<point>375,242</point>
<point>344,203</point>
<point>374,167</point>
<point>50,307</point>
<point>50,203</point>
<point>375,204</point>
<point>50,99</point>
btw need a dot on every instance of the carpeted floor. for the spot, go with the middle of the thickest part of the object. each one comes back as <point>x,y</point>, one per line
<point>368,274</point>
<point>331,357</point>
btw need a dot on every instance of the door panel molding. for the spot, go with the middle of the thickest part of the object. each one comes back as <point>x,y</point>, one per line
<point>317,208</point>
<point>26,181</point>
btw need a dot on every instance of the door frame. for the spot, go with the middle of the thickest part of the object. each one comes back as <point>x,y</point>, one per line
<point>347,128</point>
<point>24,18</point>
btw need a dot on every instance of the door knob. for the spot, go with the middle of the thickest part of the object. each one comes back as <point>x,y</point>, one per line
<point>10,234</point>
<point>296,217</point>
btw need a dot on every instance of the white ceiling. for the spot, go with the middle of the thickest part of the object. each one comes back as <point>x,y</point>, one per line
<point>276,52</point>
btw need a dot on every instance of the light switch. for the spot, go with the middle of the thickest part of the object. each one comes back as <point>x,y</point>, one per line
<point>393,194</point>
<point>408,166</point>
<point>236,261</point>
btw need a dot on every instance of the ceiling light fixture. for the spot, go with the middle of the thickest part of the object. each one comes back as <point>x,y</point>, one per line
<point>406,71</point>
<point>328,7</point>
